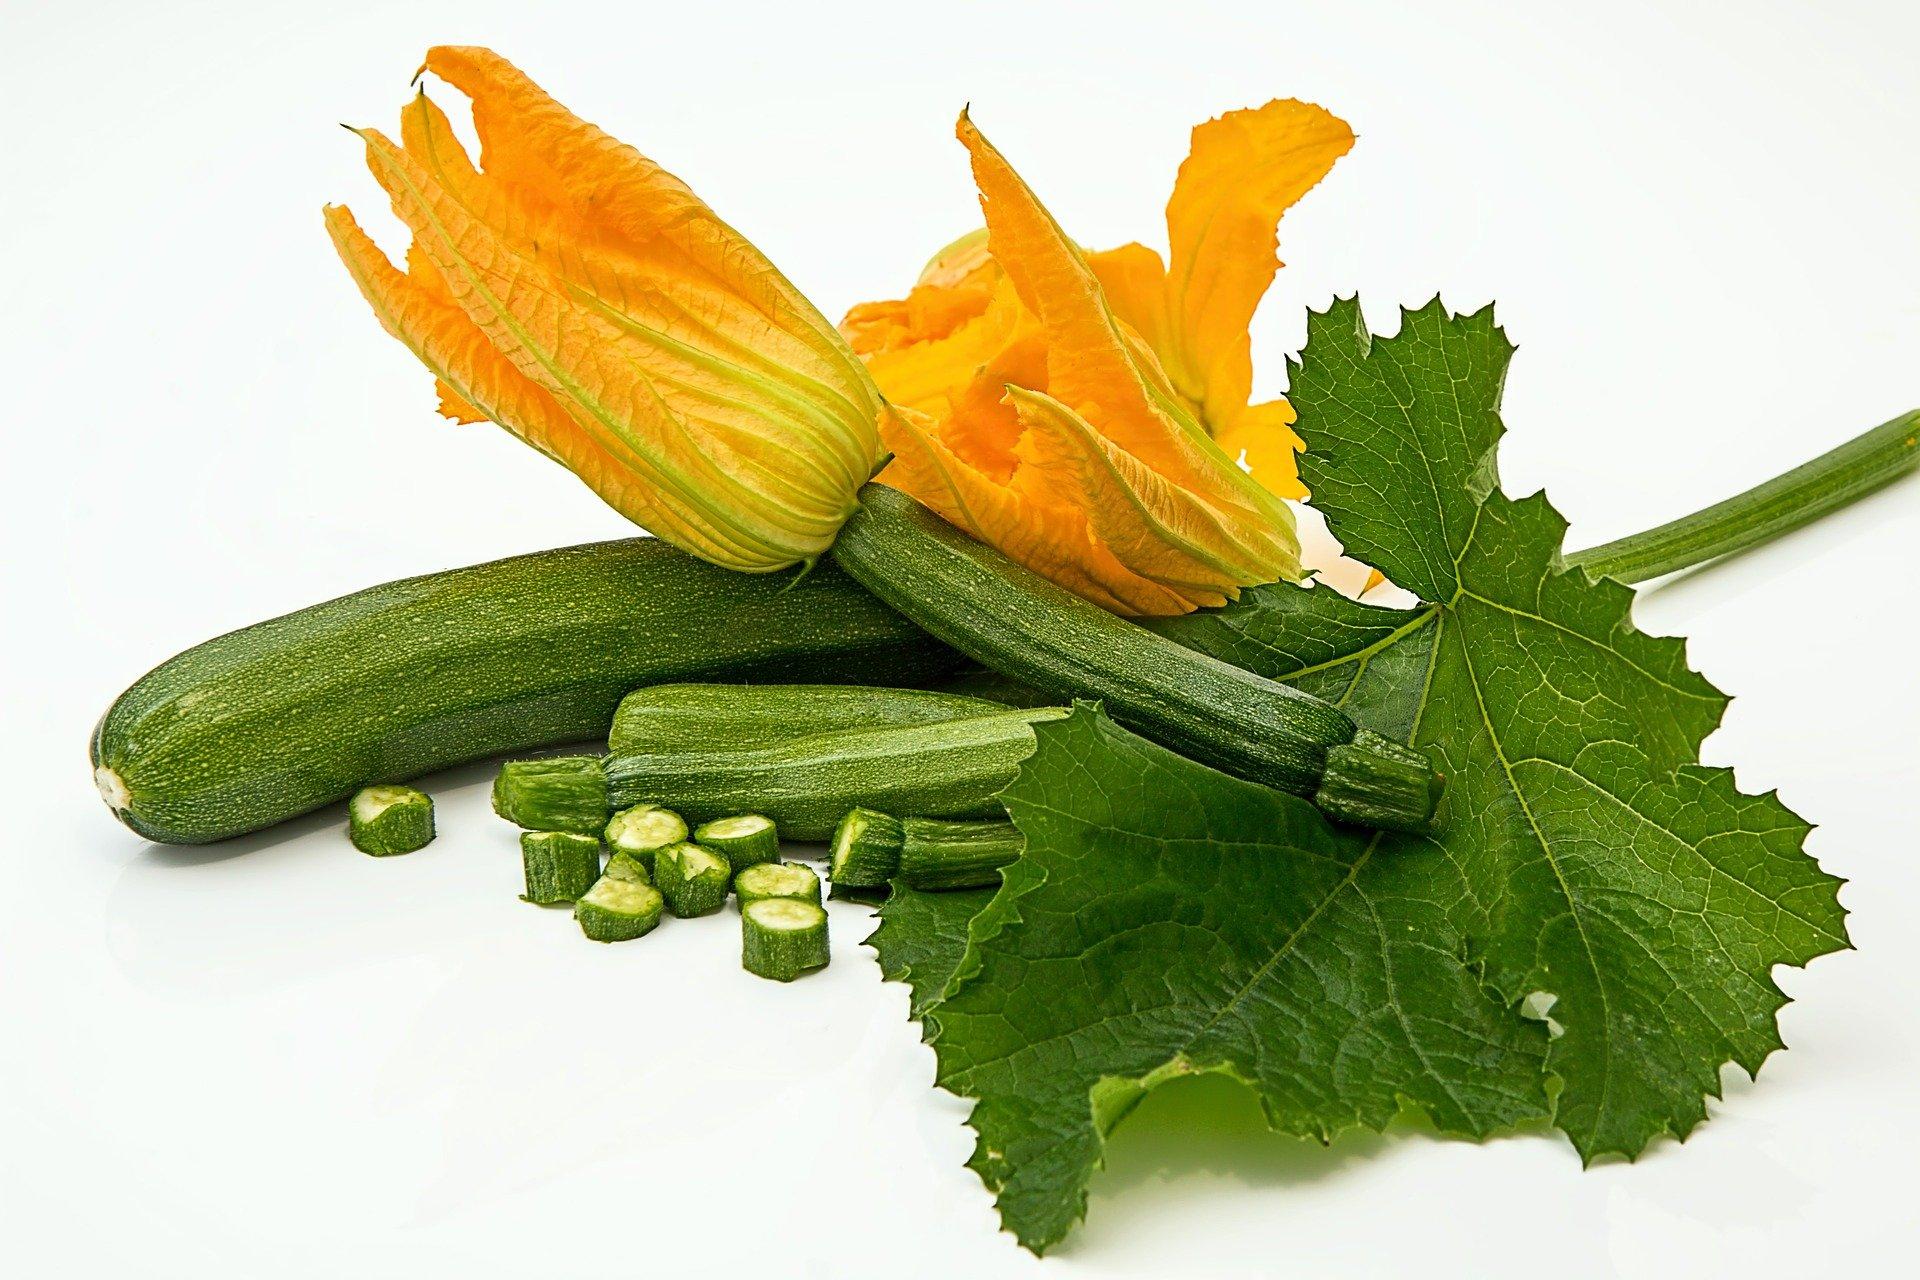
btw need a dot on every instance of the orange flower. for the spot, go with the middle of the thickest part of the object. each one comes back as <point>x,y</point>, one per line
<point>583,298</point>
<point>1245,169</point>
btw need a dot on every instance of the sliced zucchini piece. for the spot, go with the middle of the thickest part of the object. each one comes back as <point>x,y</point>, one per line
<point>865,853</point>
<point>384,820</point>
<point>643,830</point>
<point>781,938</point>
<point>692,879</point>
<point>744,840</point>
<point>616,910</point>
<point>560,865</point>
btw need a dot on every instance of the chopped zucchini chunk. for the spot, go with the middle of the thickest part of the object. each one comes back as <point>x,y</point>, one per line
<point>745,839</point>
<point>865,852</point>
<point>692,879</point>
<point>383,820</point>
<point>616,910</point>
<point>781,938</point>
<point>643,830</point>
<point>624,866</point>
<point>560,865</point>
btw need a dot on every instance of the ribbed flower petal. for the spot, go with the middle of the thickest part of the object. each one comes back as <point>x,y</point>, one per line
<point>672,345</point>
<point>1156,528</point>
<point>483,382</point>
<point>1103,373</point>
<point>1244,170</point>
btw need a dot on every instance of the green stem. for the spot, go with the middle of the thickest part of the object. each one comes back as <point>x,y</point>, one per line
<point>1831,481</point>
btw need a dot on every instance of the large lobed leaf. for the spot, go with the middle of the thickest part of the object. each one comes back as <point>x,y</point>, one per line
<point>1168,919</point>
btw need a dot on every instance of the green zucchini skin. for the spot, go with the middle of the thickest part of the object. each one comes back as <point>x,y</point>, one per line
<point>1023,626</point>
<point>272,721</point>
<point>1012,620</point>
<point>952,769</point>
<point>684,717</point>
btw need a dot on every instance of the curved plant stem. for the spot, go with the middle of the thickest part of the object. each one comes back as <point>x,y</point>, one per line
<point>1831,481</point>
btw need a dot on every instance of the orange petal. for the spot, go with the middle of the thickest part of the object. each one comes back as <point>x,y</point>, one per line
<point>1093,365</point>
<point>1100,370</point>
<point>1245,170</point>
<point>926,370</point>
<point>614,194</point>
<point>479,378</point>
<point>1156,528</point>
<point>1135,282</point>
<point>1053,541</point>
<point>982,426</point>
<point>1264,434</point>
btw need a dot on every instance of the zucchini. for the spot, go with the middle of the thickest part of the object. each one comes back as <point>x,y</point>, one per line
<point>1017,623</point>
<point>804,783</point>
<point>742,841</point>
<point>554,793</point>
<point>952,769</point>
<point>693,880</point>
<point>642,831</point>
<point>269,722</point>
<point>618,910</point>
<point>672,717</point>
<point>559,865</point>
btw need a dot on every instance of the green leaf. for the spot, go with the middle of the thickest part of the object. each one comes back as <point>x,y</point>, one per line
<point>923,937</point>
<point>1645,895</point>
<point>1169,919</point>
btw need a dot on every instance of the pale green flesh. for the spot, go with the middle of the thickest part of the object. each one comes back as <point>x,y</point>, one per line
<point>776,879</point>
<point>785,915</point>
<point>729,828</point>
<point>370,802</point>
<point>622,897</point>
<point>644,828</point>
<point>696,861</point>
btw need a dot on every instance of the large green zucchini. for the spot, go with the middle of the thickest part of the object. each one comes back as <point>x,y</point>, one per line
<point>386,684</point>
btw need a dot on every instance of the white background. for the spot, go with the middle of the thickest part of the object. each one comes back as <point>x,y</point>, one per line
<point>278,1057</point>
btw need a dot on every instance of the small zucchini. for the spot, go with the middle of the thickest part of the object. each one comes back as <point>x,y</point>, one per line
<point>674,717</point>
<point>804,784</point>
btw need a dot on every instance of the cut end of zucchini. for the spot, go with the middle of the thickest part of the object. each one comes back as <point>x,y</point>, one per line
<point>112,789</point>
<point>554,793</point>
<point>865,852</point>
<point>764,880</point>
<point>644,828</point>
<point>1374,781</point>
<point>733,828</point>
